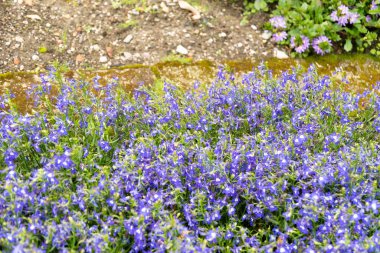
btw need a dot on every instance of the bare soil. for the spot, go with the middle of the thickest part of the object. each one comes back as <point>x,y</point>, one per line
<point>93,34</point>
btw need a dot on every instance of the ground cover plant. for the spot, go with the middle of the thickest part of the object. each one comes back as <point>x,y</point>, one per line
<point>317,27</point>
<point>284,163</point>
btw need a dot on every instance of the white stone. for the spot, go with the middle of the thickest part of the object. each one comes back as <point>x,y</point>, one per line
<point>134,12</point>
<point>222,35</point>
<point>103,59</point>
<point>181,50</point>
<point>145,55</point>
<point>19,39</point>
<point>254,27</point>
<point>136,56</point>
<point>35,57</point>
<point>171,34</point>
<point>128,56</point>
<point>280,54</point>
<point>155,7</point>
<point>128,39</point>
<point>266,35</point>
<point>95,47</point>
<point>34,17</point>
<point>164,7</point>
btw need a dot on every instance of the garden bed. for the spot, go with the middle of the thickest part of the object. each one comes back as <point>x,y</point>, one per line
<point>264,162</point>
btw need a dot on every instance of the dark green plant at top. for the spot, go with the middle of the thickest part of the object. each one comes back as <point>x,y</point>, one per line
<point>318,26</point>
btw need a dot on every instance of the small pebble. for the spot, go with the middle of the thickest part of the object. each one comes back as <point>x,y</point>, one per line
<point>34,17</point>
<point>164,7</point>
<point>128,39</point>
<point>222,35</point>
<point>19,39</point>
<point>103,59</point>
<point>128,56</point>
<point>280,54</point>
<point>266,35</point>
<point>35,57</point>
<point>254,27</point>
<point>181,50</point>
<point>16,60</point>
<point>95,48</point>
<point>145,55</point>
<point>135,12</point>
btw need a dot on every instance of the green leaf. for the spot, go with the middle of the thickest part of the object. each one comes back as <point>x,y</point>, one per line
<point>374,12</point>
<point>295,17</point>
<point>361,28</point>
<point>260,5</point>
<point>348,45</point>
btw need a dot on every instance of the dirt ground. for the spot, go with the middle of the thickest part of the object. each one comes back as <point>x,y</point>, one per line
<point>102,33</point>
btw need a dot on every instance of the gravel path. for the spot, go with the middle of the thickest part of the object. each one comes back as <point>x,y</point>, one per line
<point>100,34</point>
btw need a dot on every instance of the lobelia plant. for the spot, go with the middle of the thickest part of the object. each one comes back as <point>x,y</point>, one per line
<point>284,163</point>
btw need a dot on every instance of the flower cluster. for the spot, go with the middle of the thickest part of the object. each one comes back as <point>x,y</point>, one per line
<point>322,45</point>
<point>286,163</point>
<point>278,23</point>
<point>344,16</point>
<point>352,25</point>
<point>300,43</point>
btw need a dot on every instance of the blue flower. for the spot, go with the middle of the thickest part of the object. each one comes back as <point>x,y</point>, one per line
<point>104,145</point>
<point>212,236</point>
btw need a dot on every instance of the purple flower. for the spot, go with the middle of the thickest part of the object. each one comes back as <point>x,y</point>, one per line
<point>278,22</point>
<point>374,205</point>
<point>279,36</point>
<point>87,110</point>
<point>300,44</point>
<point>300,140</point>
<point>10,156</point>
<point>374,5</point>
<point>353,17</point>
<point>231,211</point>
<point>252,242</point>
<point>212,236</point>
<point>229,235</point>
<point>322,45</point>
<point>64,161</point>
<point>376,125</point>
<point>343,16</point>
<point>333,138</point>
<point>104,145</point>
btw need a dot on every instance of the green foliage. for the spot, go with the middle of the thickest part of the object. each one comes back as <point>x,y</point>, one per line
<point>128,24</point>
<point>176,58</point>
<point>348,45</point>
<point>119,3</point>
<point>356,31</point>
<point>256,5</point>
<point>42,50</point>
